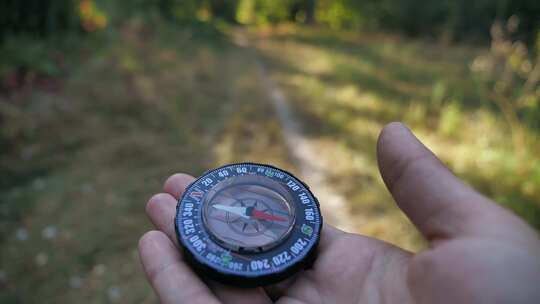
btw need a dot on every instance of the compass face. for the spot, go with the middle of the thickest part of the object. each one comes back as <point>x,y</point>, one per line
<point>248,224</point>
<point>248,213</point>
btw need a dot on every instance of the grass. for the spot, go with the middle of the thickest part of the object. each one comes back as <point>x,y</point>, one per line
<point>347,86</point>
<point>78,164</point>
<point>83,161</point>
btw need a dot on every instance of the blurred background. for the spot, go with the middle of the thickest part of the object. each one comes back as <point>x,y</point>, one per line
<point>101,100</point>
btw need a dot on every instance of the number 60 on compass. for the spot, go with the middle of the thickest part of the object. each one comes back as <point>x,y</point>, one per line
<point>248,224</point>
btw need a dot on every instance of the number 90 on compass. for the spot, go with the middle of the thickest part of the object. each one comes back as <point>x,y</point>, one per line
<point>248,224</point>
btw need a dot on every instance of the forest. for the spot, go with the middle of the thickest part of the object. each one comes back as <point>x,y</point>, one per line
<point>101,100</point>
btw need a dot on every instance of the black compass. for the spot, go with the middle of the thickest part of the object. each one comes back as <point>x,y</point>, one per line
<point>248,224</point>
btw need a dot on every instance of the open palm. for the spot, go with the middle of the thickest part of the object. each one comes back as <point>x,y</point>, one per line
<point>479,252</point>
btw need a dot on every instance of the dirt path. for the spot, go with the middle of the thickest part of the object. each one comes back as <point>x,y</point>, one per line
<point>311,166</point>
<point>304,155</point>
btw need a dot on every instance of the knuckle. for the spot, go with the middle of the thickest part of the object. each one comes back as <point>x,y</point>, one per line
<point>155,200</point>
<point>178,178</point>
<point>148,238</point>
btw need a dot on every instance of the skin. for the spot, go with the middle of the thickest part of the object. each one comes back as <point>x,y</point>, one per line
<point>478,251</point>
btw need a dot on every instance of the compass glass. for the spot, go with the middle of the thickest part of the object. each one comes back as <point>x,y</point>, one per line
<point>248,213</point>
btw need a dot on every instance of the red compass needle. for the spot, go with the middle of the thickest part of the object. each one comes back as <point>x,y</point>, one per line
<point>265,216</point>
<point>249,212</point>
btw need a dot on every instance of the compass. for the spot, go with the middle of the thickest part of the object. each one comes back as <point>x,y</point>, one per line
<point>248,224</point>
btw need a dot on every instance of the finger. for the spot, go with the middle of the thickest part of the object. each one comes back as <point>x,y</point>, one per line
<point>161,209</point>
<point>436,201</point>
<point>171,278</point>
<point>177,183</point>
<point>329,234</point>
<point>230,294</point>
<point>277,290</point>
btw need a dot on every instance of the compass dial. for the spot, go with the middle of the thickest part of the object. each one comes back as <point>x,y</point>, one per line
<point>248,224</point>
<point>247,213</point>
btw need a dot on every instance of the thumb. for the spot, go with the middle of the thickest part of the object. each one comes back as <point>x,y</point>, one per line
<point>435,200</point>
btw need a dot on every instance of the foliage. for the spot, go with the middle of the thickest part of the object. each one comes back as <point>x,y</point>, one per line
<point>27,54</point>
<point>37,17</point>
<point>37,36</point>
<point>446,19</point>
<point>451,119</point>
<point>169,93</point>
<point>42,18</point>
<point>355,84</point>
<point>341,14</point>
<point>82,162</point>
<point>92,18</point>
<point>271,12</point>
<point>262,12</point>
<point>510,73</point>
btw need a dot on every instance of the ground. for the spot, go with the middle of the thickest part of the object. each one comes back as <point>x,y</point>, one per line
<point>160,100</point>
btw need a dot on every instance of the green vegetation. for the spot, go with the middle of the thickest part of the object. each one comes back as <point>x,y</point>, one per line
<point>100,101</point>
<point>356,83</point>
<point>82,162</point>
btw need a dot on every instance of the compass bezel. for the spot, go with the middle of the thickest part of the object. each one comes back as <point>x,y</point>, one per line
<point>209,259</point>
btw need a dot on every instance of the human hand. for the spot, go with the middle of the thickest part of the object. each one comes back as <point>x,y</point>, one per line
<point>478,251</point>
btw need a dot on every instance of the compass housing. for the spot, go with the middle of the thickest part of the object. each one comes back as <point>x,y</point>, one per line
<point>248,224</point>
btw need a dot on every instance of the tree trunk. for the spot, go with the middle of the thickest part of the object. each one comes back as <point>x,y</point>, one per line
<point>310,11</point>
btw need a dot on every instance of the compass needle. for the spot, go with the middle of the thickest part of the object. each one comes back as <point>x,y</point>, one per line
<point>241,211</point>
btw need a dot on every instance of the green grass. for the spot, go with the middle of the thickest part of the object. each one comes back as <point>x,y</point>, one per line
<point>346,86</point>
<point>79,164</point>
<point>83,162</point>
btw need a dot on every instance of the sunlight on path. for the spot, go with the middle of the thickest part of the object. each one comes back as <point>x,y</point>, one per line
<point>311,167</point>
<point>339,122</point>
